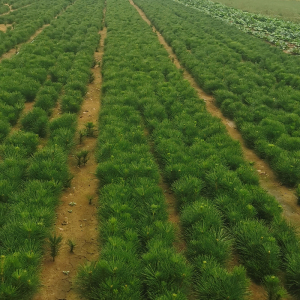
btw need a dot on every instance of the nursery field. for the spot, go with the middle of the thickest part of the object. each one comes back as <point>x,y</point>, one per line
<point>276,31</point>
<point>117,183</point>
<point>288,10</point>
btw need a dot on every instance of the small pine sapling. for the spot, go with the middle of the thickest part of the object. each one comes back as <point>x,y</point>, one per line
<point>85,158</point>
<point>55,244</point>
<point>90,129</point>
<point>82,134</point>
<point>274,290</point>
<point>72,245</point>
<point>82,157</point>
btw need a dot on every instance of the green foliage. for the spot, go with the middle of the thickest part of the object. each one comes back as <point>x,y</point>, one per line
<point>201,212</point>
<point>54,242</point>
<point>252,237</point>
<point>90,129</point>
<point>63,137</point>
<point>188,189</point>
<point>36,121</point>
<point>64,121</point>
<point>76,86</point>
<point>27,142</point>
<point>72,245</point>
<point>274,290</point>
<point>70,103</point>
<point>115,276</point>
<point>164,271</point>
<point>287,168</point>
<point>209,241</point>
<point>272,129</point>
<point>4,129</point>
<point>50,164</point>
<point>292,272</point>
<point>267,206</point>
<point>214,282</point>
<point>82,157</point>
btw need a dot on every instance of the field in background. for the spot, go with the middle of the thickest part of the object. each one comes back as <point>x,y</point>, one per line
<point>285,9</point>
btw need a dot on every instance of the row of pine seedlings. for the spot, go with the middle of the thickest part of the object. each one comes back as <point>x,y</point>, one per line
<point>221,205</point>
<point>56,67</point>
<point>26,19</point>
<point>206,170</point>
<point>138,260</point>
<point>255,84</point>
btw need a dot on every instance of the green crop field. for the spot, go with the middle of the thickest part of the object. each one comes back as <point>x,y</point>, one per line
<point>177,202</point>
<point>285,9</point>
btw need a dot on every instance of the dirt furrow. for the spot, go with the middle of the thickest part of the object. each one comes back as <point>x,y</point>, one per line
<point>77,214</point>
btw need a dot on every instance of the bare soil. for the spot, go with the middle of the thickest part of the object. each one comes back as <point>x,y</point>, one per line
<point>4,27</point>
<point>78,222</point>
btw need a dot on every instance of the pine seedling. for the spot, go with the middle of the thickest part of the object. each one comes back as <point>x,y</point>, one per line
<point>84,154</point>
<point>78,158</point>
<point>55,244</point>
<point>72,245</point>
<point>90,129</point>
<point>82,134</point>
<point>82,157</point>
<point>274,290</point>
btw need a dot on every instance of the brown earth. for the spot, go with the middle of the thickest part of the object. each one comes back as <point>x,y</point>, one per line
<point>4,27</point>
<point>78,222</point>
<point>285,196</point>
